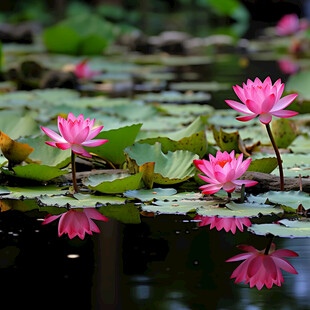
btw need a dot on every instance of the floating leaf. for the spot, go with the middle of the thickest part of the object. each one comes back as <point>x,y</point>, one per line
<point>170,168</point>
<point>290,199</point>
<point>80,201</point>
<point>295,164</point>
<point>30,192</point>
<point>114,183</point>
<point>150,194</point>
<point>288,229</point>
<point>35,172</point>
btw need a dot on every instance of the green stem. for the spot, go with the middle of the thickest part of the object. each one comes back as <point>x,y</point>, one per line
<point>270,239</point>
<point>229,195</point>
<point>73,169</point>
<point>275,147</point>
<point>242,196</point>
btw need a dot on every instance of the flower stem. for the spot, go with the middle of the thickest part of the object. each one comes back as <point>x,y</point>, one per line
<point>270,239</point>
<point>275,147</point>
<point>73,169</point>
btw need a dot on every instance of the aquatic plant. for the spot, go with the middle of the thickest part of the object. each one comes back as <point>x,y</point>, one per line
<point>264,99</point>
<point>223,171</point>
<point>262,267</point>
<point>75,133</point>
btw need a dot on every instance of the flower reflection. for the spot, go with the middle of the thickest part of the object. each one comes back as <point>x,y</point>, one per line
<point>260,268</point>
<point>77,222</point>
<point>227,223</point>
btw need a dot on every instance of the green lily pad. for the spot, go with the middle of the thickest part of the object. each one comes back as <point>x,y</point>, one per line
<point>191,138</point>
<point>35,172</point>
<point>186,109</point>
<point>45,154</point>
<point>30,192</point>
<point>290,199</point>
<point>114,183</point>
<point>119,139</point>
<point>295,164</point>
<point>210,208</point>
<point>265,165</point>
<point>150,194</point>
<point>80,201</point>
<point>287,229</point>
<point>284,131</point>
<point>170,168</point>
<point>226,141</point>
<point>15,124</point>
<point>301,144</point>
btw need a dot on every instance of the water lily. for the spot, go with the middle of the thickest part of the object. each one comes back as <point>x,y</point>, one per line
<point>290,24</point>
<point>263,99</point>
<point>262,267</point>
<point>223,171</point>
<point>77,222</point>
<point>75,134</point>
<point>227,223</point>
<point>83,71</point>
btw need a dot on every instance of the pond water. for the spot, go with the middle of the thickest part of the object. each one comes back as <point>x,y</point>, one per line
<point>163,262</point>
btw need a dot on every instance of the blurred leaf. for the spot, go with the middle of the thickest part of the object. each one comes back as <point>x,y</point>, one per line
<point>61,39</point>
<point>284,131</point>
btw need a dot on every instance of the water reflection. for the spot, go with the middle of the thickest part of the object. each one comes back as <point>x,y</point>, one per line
<point>226,223</point>
<point>77,222</point>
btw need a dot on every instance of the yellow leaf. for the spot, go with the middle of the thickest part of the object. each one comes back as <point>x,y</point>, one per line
<point>14,151</point>
<point>148,174</point>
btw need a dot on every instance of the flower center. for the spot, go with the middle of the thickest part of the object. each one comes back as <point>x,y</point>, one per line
<point>222,163</point>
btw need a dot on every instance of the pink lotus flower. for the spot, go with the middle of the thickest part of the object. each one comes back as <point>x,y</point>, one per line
<point>228,223</point>
<point>261,269</point>
<point>263,99</point>
<point>75,133</point>
<point>77,222</point>
<point>223,171</point>
<point>290,24</point>
<point>83,71</point>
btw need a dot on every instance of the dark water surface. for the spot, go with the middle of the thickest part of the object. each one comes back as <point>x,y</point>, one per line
<point>164,262</point>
